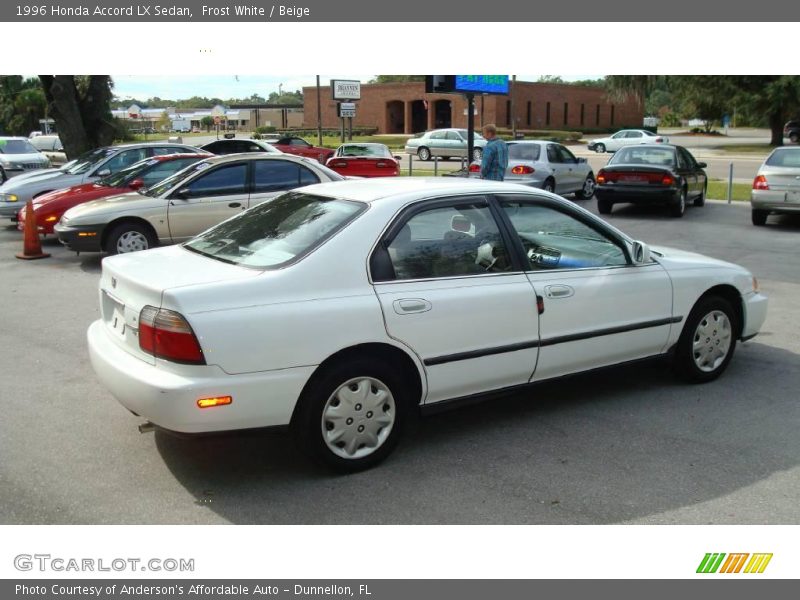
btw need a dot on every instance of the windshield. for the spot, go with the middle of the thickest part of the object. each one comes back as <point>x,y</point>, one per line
<point>637,155</point>
<point>89,159</point>
<point>172,181</point>
<point>128,174</point>
<point>377,150</point>
<point>276,232</point>
<point>17,147</point>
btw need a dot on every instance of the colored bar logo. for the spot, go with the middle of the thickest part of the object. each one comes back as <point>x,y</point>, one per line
<point>734,563</point>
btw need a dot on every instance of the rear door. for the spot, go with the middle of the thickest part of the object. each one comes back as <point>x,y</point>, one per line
<point>573,179</point>
<point>213,196</point>
<point>456,145</point>
<point>450,293</point>
<point>559,169</point>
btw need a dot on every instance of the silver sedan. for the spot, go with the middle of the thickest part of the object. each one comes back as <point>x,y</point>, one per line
<point>776,188</point>
<point>548,166</point>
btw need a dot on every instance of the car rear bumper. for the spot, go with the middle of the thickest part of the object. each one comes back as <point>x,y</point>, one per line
<point>636,194</point>
<point>82,238</point>
<point>775,200</point>
<point>755,313</point>
<point>169,399</point>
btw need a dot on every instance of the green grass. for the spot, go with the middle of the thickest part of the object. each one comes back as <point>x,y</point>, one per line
<point>718,190</point>
<point>763,149</point>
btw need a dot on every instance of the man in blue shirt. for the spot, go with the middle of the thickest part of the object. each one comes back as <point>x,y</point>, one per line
<point>495,155</point>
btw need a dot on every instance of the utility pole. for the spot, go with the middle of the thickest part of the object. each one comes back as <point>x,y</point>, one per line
<point>511,107</point>
<point>319,115</point>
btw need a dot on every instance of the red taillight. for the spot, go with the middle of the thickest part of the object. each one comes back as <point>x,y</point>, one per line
<point>658,139</point>
<point>522,170</point>
<point>667,180</point>
<point>474,168</point>
<point>166,334</point>
<point>601,177</point>
<point>760,183</point>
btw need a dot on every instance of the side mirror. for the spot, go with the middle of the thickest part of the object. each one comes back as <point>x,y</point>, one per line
<point>640,253</point>
<point>103,172</point>
<point>702,165</point>
<point>136,184</point>
<point>581,160</point>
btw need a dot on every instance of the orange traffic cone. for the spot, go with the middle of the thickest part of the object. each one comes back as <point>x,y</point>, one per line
<point>32,246</point>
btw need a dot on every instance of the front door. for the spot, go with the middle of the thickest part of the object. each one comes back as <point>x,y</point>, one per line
<point>210,198</point>
<point>451,295</point>
<point>598,308</point>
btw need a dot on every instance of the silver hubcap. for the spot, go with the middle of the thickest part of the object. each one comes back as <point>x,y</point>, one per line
<point>131,241</point>
<point>600,149</point>
<point>423,154</point>
<point>588,187</point>
<point>358,417</point>
<point>712,341</point>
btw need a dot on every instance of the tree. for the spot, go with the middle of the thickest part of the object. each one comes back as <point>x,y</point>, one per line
<point>22,104</point>
<point>207,122</point>
<point>295,97</point>
<point>550,79</point>
<point>396,78</point>
<point>80,105</point>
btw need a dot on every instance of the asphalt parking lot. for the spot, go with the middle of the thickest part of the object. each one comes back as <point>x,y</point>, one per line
<point>628,445</point>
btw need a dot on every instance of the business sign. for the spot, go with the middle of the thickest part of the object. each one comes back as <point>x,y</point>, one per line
<point>347,109</point>
<point>346,89</point>
<point>481,84</point>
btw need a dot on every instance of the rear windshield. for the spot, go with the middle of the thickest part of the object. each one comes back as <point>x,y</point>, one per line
<point>523,151</point>
<point>276,232</point>
<point>17,147</point>
<point>785,157</point>
<point>376,150</point>
<point>634,155</point>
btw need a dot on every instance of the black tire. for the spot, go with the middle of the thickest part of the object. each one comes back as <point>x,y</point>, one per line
<point>600,148</point>
<point>477,154</point>
<point>701,199</point>
<point>685,361</point>
<point>759,216</point>
<point>138,236</point>
<point>549,185</point>
<point>678,207</point>
<point>424,154</point>
<point>307,423</point>
<point>586,192</point>
<point>3,177</point>
<point>604,206</point>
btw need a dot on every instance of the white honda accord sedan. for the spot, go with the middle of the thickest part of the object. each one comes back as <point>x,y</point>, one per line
<point>345,309</point>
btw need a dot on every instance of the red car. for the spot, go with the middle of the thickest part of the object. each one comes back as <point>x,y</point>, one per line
<point>364,160</point>
<point>49,207</point>
<point>300,147</point>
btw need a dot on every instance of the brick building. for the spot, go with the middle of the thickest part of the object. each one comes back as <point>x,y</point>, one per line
<point>406,108</point>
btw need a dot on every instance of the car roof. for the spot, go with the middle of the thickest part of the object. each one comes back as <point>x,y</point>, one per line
<point>168,157</point>
<point>13,137</point>
<point>217,159</point>
<point>379,188</point>
<point>662,146</point>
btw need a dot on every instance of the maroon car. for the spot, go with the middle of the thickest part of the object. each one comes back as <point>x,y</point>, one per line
<point>300,147</point>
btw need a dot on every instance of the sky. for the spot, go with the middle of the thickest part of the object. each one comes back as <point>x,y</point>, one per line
<point>233,86</point>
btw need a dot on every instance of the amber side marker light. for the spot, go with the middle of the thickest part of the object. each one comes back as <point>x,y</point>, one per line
<point>218,401</point>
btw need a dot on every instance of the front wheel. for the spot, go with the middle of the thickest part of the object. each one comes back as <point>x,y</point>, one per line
<point>794,137</point>
<point>129,237</point>
<point>351,417</point>
<point>587,191</point>
<point>424,154</point>
<point>759,216</point>
<point>3,177</point>
<point>708,340</point>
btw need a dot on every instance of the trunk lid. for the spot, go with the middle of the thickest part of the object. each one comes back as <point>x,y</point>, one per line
<point>782,178</point>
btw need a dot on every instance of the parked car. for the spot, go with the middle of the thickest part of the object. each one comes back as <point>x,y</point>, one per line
<point>49,207</point>
<point>51,147</point>
<point>238,146</point>
<point>444,143</point>
<point>791,130</point>
<point>299,147</point>
<point>87,168</point>
<point>548,166</point>
<point>776,187</point>
<point>364,160</point>
<point>652,174</point>
<point>343,309</point>
<point>185,204</point>
<point>17,155</point>
<point>626,137</point>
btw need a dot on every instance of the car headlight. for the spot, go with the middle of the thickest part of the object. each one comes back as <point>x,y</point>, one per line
<point>10,197</point>
<point>4,162</point>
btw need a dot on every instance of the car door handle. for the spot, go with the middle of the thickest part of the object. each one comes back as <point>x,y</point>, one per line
<point>558,291</point>
<point>407,306</point>
<point>235,204</point>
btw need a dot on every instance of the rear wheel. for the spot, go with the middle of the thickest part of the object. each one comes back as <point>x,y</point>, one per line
<point>351,417</point>
<point>794,137</point>
<point>759,216</point>
<point>708,340</point>
<point>424,154</point>
<point>600,148</point>
<point>604,206</point>
<point>587,191</point>
<point>477,154</point>
<point>129,237</point>
<point>549,185</point>
<point>677,208</point>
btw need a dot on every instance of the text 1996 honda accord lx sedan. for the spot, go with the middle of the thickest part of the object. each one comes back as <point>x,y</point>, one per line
<point>345,308</point>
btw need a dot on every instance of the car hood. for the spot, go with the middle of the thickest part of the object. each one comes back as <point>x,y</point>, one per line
<point>672,258</point>
<point>71,196</point>
<point>27,157</point>
<point>38,176</point>
<point>112,204</point>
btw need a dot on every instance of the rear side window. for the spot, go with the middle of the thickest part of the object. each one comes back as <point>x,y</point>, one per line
<point>787,157</point>
<point>280,175</point>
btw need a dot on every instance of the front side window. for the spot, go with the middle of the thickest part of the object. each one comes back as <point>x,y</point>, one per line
<point>553,239</point>
<point>448,241</point>
<point>224,181</point>
<point>164,169</point>
<point>566,155</point>
<point>124,159</point>
<point>277,232</point>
